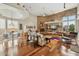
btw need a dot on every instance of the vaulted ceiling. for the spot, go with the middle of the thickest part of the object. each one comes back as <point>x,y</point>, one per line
<point>22,10</point>
<point>40,9</point>
<point>12,12</point>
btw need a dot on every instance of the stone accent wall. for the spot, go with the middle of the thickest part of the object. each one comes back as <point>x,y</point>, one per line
<point>57,16</point>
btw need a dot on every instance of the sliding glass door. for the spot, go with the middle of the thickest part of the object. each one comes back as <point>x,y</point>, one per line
<point>6,26</point>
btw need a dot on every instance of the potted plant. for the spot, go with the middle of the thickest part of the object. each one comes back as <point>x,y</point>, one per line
<point>71,28</point>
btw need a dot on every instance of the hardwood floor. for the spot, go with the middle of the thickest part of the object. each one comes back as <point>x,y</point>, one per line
<point>45,51</point>
<point>22,51</point>
<point>28,50</point>
<point>39,51</point>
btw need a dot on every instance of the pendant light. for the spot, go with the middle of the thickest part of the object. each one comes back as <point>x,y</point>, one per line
<point>64,5</point>
<point>18,3</point>
<point>11,24</point>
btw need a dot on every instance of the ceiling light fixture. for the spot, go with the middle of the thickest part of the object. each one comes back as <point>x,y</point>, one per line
<point>11,24</point>
<point>18,3</point>
<point>64,5</point>
<point>44,13</point>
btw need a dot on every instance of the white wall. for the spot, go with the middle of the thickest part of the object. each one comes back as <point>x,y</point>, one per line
<point>30,21</point>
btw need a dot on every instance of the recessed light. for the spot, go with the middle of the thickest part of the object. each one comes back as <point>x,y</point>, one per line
<point>43,14</point>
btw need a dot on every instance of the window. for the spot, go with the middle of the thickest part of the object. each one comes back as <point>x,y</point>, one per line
<point>2,23</point>
<point>10,25</point>
<point>2,26</point>
<point>69,23</point>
